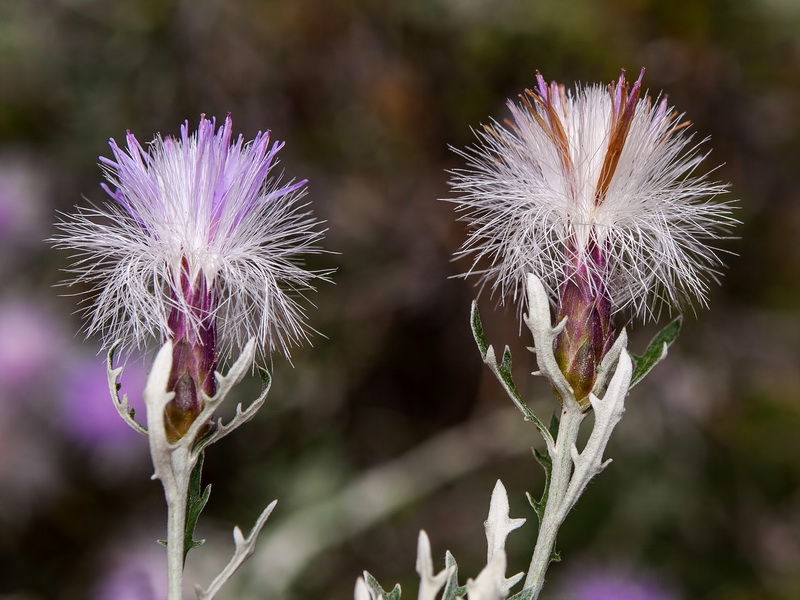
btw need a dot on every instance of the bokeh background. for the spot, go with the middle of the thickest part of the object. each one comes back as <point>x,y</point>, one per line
<point>389,423</point>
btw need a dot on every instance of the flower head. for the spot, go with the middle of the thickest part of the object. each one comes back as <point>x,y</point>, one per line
<point>596,186</point>
<point>594,192</point>
<point>196,224</point>
<point>198,246</point>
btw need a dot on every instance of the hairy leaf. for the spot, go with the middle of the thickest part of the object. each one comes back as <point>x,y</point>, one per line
<point>656,351</point>
<point>525,594</point>
<point>377,590</point>
<point>477,330</point>
<point>452,591</point>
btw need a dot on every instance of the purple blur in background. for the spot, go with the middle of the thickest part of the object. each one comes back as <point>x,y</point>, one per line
<point>88,413</point>
<point>32,344</point>
<point>613,584</point>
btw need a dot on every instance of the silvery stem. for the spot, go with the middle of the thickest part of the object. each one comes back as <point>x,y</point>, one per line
<point>173,464</point>
<point>572,470</point>
<point>176,495</point>
<point>554,514</point>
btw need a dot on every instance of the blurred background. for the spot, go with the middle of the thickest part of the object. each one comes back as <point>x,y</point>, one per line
<point>390,423</point>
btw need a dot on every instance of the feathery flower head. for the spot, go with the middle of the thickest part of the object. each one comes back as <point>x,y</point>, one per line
<point>199,246</point>
<point>595,192</point>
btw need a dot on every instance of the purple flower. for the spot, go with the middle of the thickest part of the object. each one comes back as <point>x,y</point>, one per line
<point>195,213</point>
<point>199,246</point>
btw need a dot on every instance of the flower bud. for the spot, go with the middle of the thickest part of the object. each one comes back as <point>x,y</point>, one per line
<point>588,332</point>
<point>194,335</point>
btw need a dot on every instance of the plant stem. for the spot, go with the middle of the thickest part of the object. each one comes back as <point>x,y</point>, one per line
<point>174,462</point>
<point>555,512</point>
<point>176,495</point>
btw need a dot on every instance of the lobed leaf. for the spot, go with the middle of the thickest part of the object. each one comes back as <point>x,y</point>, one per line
<point>377,591</point>
<point>503,372</point>
<point>547,464</point>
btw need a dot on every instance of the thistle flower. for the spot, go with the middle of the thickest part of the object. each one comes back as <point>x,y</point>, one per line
<point>596,193</point>
<point>198,246</point>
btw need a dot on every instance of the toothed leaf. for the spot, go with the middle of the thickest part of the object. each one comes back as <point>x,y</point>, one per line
<point>111,352</point>
<point>547,464</point>
<point>656,351</point>
<point>504,371</point>
<point>195,503</point>
<point>377,590</point>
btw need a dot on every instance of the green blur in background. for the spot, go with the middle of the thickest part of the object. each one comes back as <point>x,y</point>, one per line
<point>704,492</point>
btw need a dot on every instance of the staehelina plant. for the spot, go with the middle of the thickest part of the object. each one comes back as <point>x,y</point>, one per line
<point>201,250</point>
<point>583,206</point>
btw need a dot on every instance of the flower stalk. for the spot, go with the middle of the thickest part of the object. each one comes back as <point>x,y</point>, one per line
<point>571,470</point>
<point>554,514</point>
<point>568,470</point>
<point>175,461</point>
